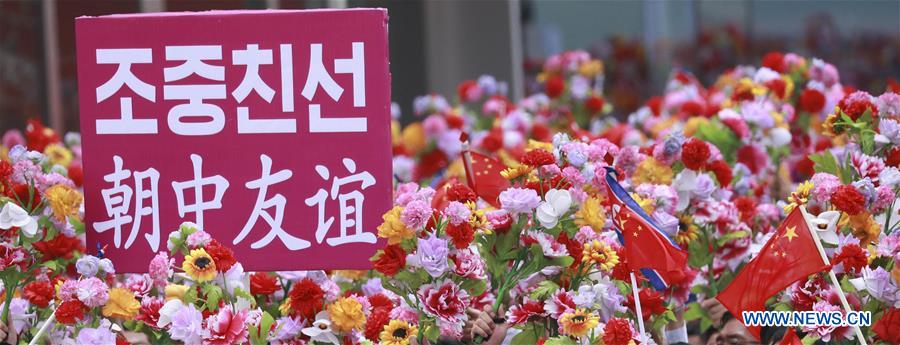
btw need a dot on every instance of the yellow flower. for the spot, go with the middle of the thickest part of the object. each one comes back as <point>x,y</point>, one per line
<point>591,68</point>
<point>693,124</point>
<point>828,126</point>
<point>397,332</point>
<point>285,307</point>
<point>799,197</point>
<point>413,138</point>
<point>865,228</point>
<point>591,214</point>
<point>395,133</point>
<point>601,254</point>
<point>58,154</point>
<point>199,266</point>
<point>346,315</point>
<point>652,171</point>
<point>63,200</point>
<point>392,228</point>
<point>539,145</point>
<point>351,274</point>
<point>579,323</point>
<point>646,204</point>
<point>175,291</point>
<point>121,304</point>
<point>687,230</point>
<point>511,173</point>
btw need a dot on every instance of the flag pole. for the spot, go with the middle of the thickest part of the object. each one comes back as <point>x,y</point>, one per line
<point>467,159</point>
<point>834,281</point>
<point>40,333</point>
<point>637,307</point>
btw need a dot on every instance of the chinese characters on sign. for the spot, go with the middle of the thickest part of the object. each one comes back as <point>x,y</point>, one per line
<point>269,129</point>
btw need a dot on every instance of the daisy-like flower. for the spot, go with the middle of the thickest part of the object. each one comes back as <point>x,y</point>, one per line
<point>199,265</point>
<point>601,254</point>
<point>347,314</point>
<point>687,230</point>
<point>578,323</point>
<point>397,332</point>
<point>799,196</point>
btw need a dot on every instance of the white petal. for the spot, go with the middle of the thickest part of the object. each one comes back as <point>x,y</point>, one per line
<point>562,201</point>
<point>31,228</point>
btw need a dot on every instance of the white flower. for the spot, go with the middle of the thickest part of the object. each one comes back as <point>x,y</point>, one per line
<point>826,225</point>
<point>87,265</point>
<point>14,216</point>
<point>166,312</point>
<point>780,136</point>
<point>556,205</point>
<point>107,266</point>
<point>685,183</point>
<point>321,330</point>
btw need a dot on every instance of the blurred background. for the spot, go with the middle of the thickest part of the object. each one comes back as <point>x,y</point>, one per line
<point>438,43</point>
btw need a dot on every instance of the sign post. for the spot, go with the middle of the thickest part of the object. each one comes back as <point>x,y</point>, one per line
<point>268,129</point>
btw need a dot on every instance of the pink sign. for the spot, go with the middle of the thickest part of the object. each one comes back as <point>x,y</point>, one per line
<point>268,129</point>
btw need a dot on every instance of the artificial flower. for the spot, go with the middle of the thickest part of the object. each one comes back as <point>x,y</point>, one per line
<point>199,265</point>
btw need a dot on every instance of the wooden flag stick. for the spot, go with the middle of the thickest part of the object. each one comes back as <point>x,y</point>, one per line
<point>637,307</point>
<point>834,281</point>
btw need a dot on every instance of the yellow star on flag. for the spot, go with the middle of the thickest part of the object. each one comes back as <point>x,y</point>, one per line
<point>791,233</point>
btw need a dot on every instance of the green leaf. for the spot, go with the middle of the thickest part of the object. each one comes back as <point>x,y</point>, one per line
<point>731,236</point>
<point>698,254</point>
<point>213,295</point>
<point>663,319</point>
<point>432,333</point>
<point>474,287</point>
<point>258,337</point>
<point>544,290</point>
<point>527,336</point>
<point>560,340</point>
<point>809,339</point>
<point>720,136</point>
<point>826,163</point>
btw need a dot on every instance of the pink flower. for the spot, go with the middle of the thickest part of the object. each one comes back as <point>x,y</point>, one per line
<point>199,238</point>
<point>824,185</point>
<point>457,212</point>
<point>226,327</point>
<point>867,166</point>
<point>560,303</point>
<point>161,268</point>
<point>467,263</point>
<point>445,300</point>
<point>93,292</point>
<point>68,290</point>
<point>827,332</point>
<point>520,313</point>
<point>416,214</point>
<point>12,138</point>
<point>139,284</point>
<point>404,313</point>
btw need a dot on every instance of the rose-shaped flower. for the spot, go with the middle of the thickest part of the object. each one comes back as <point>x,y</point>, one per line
<point>519,200</point>
<point>88,265</point>
<point>431,255</point>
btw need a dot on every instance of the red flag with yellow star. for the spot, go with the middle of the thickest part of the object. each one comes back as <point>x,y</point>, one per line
<point>790,255</point>
<point>484,177</point>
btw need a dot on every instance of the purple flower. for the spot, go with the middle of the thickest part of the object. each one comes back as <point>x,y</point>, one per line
<point>603,296</point>
<point>881,286</point>
<point>99,335</point>
<point>890,129</point>
<point>187,325</point>
<point>92,291</point>
<point>87,265</point>
<point>823,72</point>
<point>519,200</point>
<point>888,105</point>
<point>416,214</point>
<point>287,329</point>
<point>431,254</point>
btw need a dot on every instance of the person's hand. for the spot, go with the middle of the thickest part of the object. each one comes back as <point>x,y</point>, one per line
<point>136,338</point>
<point>499,335</point>
<point>482,322</point>
<point>715,310</point>
<point>7,332</point>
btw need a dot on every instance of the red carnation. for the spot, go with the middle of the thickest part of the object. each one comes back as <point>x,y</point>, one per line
<point>554,86</point>
<point>694,153</point>
<point>774,60</point>
<point>70,312</point>
<point>752,157</point>
<point>39,293</point>
<point>692,108</point>
<point>430,164</point>
<point>493,141</point>
<point>893,157</point>
<point>461,235</point>
<point>38,136</point>
<point>594,104</point>
<point>376,322</point>
<point>460,192</point>
<point>847,199</point>
<point>76,174</point>
<point>746,207</point>
<point>306,298</point>
<point>617,332</point>
<point>149,312</point>
<point>888,327</point>
<point>812,101</point>
<point>651,303</point>
<point>380,301</point>
<point>391,260</point>
<point>454,121</point>
<point>722,172</point>
<point>541,132</point>
<point>778,87</point>
<point>6,170</point>
<point>22,193</point>
<point>222,255</point>
<point>262,283</point>
<point>853,257</point>
<point>538,157</point>
<point>61,246</point>
<point>856,103</point>
<point>468,91</point>
<point>655,105</point>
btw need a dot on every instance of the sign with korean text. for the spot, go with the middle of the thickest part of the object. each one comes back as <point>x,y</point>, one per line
<point>268,129</point>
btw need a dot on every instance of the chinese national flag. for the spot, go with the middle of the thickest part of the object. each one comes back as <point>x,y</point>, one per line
<point>791,338</point>
<point>485,178</point>
<point>790,255</point>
